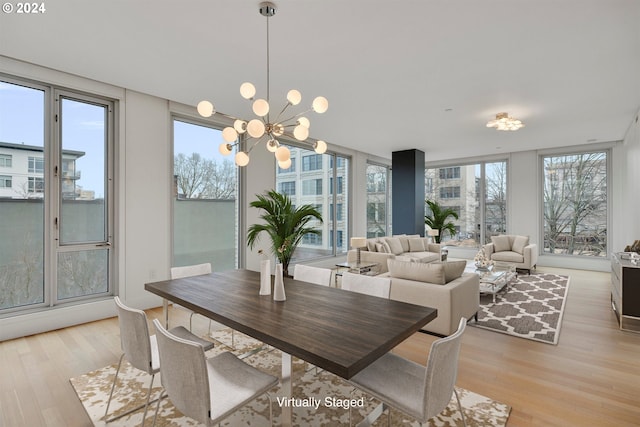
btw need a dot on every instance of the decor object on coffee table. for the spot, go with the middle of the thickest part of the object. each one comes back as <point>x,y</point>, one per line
<point>285,224</point>
<point>513,249</point>
<point>481,261</point>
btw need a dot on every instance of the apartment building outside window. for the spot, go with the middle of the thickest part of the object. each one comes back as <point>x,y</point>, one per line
<point>324,186</point>
<point>36,165</point>
<point>378,200</point>
<point>477,192</point>
<point>5,160</point>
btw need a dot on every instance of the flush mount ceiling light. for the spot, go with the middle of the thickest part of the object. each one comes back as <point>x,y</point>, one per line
<point>505,122</point>
<point>265,127</point>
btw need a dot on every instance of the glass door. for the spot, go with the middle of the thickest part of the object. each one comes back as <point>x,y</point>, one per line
<point>83,187</point>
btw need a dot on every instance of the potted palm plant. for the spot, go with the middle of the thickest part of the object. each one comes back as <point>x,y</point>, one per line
<point>438,219</point>
<point>285,225</point>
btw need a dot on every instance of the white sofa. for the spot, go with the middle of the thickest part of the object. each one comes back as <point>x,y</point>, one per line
<point>513,249</point>
<point>435,285</point>
<point>401,247</point>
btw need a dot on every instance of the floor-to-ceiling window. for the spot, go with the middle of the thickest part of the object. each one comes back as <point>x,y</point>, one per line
<point>378,200</point>
<point>205,208</point>
<point>56,151</point>
<point>320,180</point>
<point>477,193</point>
<point>575,195</point>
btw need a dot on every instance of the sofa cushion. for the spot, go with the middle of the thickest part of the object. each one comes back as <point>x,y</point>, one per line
<point>501,243</point>
<point>382,247</point>
<point>519,242</point>
<point>418,271</point>
<point>416,245</point>
<point>453,269</point>
<point>394,245</point>
<point>508,256</point>
<point>371,245</point>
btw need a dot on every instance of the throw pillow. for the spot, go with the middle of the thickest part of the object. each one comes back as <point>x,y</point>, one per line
<point>394,245</point>
<point>519,243</point>
<point>404,241</point>
<point>371,245</point>
<point>416,245</point>
<point>453,270</point>
<point>500,243</point>
<point>418,271</point>
<point>380,248</point>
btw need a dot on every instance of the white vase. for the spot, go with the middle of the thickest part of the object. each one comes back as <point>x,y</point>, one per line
<point>265,277</point>
<point>278,287</point>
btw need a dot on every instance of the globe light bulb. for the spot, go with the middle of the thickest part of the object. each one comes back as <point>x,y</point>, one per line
<point>303,121</point>
<point>247,90</point>
<point>272,145</point>
<point>260,107</point>
<point>320,147</point>
<point>294,97</point>
<point>205,109</point>
<point>285,165</point>
<point>255,128</point>
<point>283,154</point>
<point>320,104</point>
<point>225,149</point>
<point>300,132</point>
<point>240,126</point>
<point>242,158</point>
<point>229,134</point>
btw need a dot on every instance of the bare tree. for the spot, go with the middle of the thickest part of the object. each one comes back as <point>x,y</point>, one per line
<point>200,178</point>
<point>575,202</point>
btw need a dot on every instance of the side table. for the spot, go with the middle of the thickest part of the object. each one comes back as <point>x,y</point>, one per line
<point>369,268</point>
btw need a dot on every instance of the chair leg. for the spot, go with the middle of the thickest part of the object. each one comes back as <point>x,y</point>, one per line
<point>270,409</point>
<point>155,417</point>
<point>113,386</point>
<point>464,422</point>
<point>146,405</point>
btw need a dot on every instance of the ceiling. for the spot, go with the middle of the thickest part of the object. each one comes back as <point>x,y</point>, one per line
<point>425,74</point>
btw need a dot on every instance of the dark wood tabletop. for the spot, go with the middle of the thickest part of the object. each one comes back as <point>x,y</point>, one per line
<point>339,331</point>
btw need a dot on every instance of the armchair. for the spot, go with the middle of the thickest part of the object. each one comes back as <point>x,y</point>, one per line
<point>513,249</point>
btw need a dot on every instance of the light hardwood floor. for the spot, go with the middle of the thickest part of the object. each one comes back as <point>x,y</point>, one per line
<point>591,378</point>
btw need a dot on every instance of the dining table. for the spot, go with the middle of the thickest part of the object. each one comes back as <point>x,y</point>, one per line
<point>336,330</point>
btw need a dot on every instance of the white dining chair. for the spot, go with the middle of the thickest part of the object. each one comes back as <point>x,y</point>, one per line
<point>419,392</point>
<point>207,390</point>
<point>374,286</point>
<point>315,275</point>
<point>190,271</point>
<point>141,350</point>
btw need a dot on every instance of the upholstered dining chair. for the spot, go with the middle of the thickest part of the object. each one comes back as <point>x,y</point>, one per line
<point>207,390</point>
<point>316,275</point>
<point>141,350</point>
<point>190,271</point>
<point>419,392</point>
<point>374,286</point>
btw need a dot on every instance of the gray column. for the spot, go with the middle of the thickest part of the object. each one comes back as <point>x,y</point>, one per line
<point>407,177</point>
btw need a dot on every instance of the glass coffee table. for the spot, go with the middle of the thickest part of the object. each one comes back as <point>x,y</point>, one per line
<point>497,279</point>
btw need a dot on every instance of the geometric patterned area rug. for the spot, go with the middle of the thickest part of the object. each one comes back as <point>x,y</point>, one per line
<point>531,308</point>
<point>93,391</point>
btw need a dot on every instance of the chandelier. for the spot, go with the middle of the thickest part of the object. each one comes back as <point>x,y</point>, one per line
<point>265,127</point>
<point>505,122</point>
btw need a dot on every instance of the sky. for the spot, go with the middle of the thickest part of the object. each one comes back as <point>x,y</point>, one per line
<point>22,113</point>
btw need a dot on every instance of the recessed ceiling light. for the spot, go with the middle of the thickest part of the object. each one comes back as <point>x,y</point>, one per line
<point>448,109</point>
<point>591,140</point>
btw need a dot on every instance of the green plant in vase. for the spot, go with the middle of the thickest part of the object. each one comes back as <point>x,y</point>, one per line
<point>285,225</point>
<point>438,219</point>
